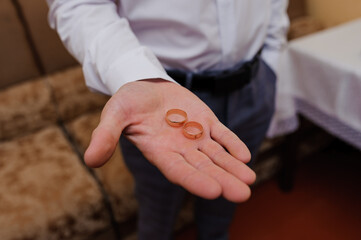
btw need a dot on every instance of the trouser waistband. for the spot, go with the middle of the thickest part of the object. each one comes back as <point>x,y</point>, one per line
<point>218,81</point>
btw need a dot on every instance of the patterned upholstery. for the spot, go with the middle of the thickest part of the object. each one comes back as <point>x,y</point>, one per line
<point>45,191</point>
<point>25,108</point>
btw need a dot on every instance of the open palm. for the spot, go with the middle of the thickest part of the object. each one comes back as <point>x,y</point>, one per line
<point>210,166</point>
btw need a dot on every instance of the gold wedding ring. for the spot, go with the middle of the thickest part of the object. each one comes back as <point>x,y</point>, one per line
<point>176,117</point>
<point>192,130</point>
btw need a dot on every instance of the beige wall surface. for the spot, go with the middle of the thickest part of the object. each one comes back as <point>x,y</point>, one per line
<point>296,9</point>
<point>334,12</point>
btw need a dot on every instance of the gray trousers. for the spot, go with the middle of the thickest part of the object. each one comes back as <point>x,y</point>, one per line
<point>247,112</point>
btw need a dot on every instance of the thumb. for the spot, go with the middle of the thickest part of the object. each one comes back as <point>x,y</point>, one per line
<point>105,136</point>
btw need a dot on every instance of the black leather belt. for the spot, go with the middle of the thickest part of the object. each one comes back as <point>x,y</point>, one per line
<point>220,82</point>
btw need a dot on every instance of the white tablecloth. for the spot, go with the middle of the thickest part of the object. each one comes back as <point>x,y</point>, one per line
<point>320,78</point>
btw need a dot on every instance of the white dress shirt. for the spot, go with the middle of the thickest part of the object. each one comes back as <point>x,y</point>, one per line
<point>127,40</point>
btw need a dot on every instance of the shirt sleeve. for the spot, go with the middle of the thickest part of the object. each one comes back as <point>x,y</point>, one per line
<point>102,41</point>
<point>277,33</point>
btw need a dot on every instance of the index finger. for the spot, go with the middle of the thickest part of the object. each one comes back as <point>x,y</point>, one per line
<point>230,141</point>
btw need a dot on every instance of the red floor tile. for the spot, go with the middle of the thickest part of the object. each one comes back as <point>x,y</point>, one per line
<point>325,203</point>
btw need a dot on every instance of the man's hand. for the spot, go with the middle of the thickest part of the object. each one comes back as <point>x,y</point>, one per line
<point>201,166</point>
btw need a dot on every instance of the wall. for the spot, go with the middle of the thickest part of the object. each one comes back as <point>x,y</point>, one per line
<point>296,9</point>
<point>334,12</point>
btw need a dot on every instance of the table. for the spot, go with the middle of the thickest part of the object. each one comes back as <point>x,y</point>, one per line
<point>320,78</point>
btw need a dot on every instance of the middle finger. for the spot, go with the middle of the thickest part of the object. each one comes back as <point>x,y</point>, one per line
<point>227,162</point>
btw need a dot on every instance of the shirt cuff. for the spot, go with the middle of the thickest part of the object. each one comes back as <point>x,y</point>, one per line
<point>137,64</point>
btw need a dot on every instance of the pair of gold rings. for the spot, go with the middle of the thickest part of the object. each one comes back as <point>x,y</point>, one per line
<point>178,118</point>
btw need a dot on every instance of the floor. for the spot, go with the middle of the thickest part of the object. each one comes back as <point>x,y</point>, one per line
<point>325,203</point>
